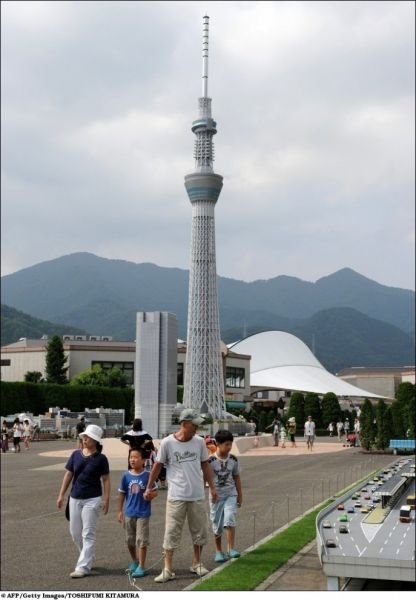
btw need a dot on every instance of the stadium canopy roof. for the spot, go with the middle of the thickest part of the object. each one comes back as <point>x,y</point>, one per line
<point>281,360</point>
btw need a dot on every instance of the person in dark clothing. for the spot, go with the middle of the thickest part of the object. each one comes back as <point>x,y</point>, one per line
<point>88,471</point>
<point>80,428</point>
<point>136,437</point>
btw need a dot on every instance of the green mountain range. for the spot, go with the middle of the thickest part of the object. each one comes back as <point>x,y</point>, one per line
<point>16,324</point>
<point>347,319</point>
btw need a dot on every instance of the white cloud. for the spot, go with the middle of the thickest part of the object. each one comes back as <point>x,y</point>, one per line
<point>315,110</point>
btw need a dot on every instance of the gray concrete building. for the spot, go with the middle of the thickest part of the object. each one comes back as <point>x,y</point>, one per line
<point>156,370</point>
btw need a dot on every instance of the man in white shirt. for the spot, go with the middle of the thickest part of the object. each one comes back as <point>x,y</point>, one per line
<point>185,457</point>
<point>309,432</point>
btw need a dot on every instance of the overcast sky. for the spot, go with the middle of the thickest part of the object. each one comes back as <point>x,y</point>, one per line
<point>315,109</point>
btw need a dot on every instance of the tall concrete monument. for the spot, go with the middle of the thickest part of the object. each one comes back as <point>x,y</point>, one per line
<point>155,371</point>
<point>204,381</point>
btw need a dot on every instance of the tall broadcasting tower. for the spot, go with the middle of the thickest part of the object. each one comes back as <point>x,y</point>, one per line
<point>204,383</point>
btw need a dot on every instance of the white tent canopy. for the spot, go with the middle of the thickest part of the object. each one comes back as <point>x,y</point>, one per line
<point>281,360</point>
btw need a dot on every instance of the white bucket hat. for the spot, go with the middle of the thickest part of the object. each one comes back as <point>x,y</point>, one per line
<point>94,432</point>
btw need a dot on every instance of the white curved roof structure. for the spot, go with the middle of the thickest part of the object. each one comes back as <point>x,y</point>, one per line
<point>281,360</point>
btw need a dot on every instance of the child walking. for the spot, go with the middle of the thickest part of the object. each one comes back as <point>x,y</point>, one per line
<point>136,510</point>
<point>151,455</point>
<point>17,434</point>
<point>283,436</point>
<point>226,473</point>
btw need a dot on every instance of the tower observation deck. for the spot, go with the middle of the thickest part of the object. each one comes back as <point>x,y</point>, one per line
<point>204,381</point>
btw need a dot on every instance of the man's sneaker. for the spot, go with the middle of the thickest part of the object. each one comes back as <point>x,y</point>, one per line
<point>78,574</point>
<point>233,553</point>
<point>165,575</point>
<point>139,572</point>
<point>132,567</point>
<point>220,557</point>
<point>199,570</point>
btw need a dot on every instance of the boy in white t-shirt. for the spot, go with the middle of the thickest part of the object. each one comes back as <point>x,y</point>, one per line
<point>185,457</point>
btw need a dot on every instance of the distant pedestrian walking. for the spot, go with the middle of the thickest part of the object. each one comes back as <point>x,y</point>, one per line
<point>331,429</point>
<point>340,429</point>
<point>17,434</point>
<point>27,433</point>
<point>346,427</point>
<point>309,433</point>
<point>275,426</point>
<point>4,437</point>
<point>283,436</point>
<point>291,429</point>
<point>136,437</point>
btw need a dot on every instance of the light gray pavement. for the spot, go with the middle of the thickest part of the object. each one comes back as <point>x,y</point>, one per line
<point>37,552</point>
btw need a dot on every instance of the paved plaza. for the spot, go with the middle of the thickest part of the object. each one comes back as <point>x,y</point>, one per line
<point>37,552</point>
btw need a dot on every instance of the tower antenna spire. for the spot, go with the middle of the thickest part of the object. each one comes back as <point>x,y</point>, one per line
<point>205,36</point>
<point>204,379</point>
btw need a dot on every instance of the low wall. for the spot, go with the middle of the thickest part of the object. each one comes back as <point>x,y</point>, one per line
<point>248,442</point>
<point>114,447</point>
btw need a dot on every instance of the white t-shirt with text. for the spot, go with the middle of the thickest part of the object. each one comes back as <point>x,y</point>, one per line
<point>183,467</point>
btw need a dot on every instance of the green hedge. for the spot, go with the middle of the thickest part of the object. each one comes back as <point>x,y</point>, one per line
<point>37,398</point>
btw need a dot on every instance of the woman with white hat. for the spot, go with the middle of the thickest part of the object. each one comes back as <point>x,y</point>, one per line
<point>89,472</point>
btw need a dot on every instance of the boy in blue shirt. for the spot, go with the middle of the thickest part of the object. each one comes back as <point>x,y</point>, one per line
<point>136,510</point>
<point>226,472</point>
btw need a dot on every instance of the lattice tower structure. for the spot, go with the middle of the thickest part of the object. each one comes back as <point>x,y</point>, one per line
<point>204,380</point>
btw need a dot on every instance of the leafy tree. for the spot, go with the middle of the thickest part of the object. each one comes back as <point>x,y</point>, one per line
<point>397,417</point>
<point>33,377</point>
<point>116,378</point>
<point>296,407</point>
<point>56,371</point>
<point>405,392</point>
<point>96,375</point>
<point>312,407</point>
<point>262,421</point>
<point>405,398</point>
<point>367,429</point>
<point>402,409</point>
<point>331,409</point>
<point>93,376</point>
<point>383,425</point>
<point>411,413</point>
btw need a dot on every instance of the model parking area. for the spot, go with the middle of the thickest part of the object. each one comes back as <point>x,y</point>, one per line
<point>363,534</point>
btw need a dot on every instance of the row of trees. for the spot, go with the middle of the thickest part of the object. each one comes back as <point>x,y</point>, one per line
<point>56,370</point>
<point>323,411</point>
<point>381,423</point>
